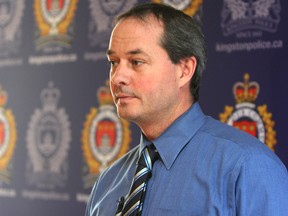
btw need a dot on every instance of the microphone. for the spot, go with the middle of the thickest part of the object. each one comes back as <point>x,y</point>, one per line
<point>120,205</point>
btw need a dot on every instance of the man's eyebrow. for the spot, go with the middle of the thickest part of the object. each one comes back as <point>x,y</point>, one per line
<point>132,52</point>
<point>109,52</point>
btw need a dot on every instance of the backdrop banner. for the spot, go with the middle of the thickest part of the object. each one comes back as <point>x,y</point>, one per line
<point>59,128</point>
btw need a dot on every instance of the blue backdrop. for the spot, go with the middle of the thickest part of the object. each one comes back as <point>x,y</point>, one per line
<point>58,125</point>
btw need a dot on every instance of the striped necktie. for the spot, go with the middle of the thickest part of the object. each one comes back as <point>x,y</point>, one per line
<point>134,202</point>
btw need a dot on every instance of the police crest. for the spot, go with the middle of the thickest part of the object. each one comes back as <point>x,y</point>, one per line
<point>48,139</point>
<point>54,21</point>
<point>240,15</point>
<point>102,15</point>
<point>256,121</point>
<point>105,137</point>
<point>7,139</point>
<point>189,7</point>
<point>11,12</point>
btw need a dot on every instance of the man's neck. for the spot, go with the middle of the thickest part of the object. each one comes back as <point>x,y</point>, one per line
<point>154,130</point>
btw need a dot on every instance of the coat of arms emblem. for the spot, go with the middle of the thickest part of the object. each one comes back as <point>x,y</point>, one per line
<point>246,116</point>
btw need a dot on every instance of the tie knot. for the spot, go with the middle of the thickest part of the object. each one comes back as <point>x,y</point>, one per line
<point>148,156</point>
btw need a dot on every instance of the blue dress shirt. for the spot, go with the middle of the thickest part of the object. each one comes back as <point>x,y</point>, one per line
<point>206,168</point>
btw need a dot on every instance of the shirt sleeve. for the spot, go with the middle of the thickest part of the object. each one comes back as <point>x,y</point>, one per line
<point>261,187</point>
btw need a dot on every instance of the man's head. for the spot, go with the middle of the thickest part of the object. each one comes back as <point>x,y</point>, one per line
<point>182,37</point>
<point>151,67</point>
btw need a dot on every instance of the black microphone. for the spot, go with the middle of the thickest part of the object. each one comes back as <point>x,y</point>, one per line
<point>120,205</point>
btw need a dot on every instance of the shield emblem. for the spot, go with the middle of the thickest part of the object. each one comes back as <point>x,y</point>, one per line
<point>247,126</point>
<point>54,10</point>
<point>54,7</point>
<point>48,136</point>
<point>105,136</point>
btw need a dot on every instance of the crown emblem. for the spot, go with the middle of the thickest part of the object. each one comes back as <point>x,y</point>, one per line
<point>50,96</point>
<point>246,116</point>
<point>246,91</point>
<point>104,95</point>
<point>3,97</point>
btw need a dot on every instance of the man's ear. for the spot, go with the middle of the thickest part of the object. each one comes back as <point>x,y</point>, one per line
<point>188,67</point>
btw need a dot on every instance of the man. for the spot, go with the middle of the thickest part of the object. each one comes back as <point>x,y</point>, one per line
<point>204,167</point>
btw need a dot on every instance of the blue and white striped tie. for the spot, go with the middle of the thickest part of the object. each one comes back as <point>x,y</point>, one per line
<point>134,202</point>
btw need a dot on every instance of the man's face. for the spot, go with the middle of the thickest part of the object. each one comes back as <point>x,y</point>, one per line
<point>143,79</point>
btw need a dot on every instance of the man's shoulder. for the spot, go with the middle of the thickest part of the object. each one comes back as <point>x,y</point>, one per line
<point>221,130</point>
<point>127,158</point>
<point>120,165</point>
<point>230,139</point>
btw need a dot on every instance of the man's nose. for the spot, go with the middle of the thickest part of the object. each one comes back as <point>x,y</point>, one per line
<point>120,75</point>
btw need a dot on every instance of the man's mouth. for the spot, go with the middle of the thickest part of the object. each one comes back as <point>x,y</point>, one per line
<point>123,97</point>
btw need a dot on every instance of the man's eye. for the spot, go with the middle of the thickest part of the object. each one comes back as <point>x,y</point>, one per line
<point>137,62</point>
<point>112,63</point>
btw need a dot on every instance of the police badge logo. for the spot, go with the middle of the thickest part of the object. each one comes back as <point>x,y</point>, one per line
<point>189,7</point>
<point>7,139</point>
<point>48,139</point>
<point>240,15</point>
<point>54,20</point>
<point>256,121</point>
<point>105,137</point>
<point>102,15</point>
<point>11,12</point>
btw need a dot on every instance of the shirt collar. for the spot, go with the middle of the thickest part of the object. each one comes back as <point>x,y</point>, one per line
<point>177,135</point>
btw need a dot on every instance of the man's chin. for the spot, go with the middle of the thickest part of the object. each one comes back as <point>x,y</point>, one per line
<point>124,114</point>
